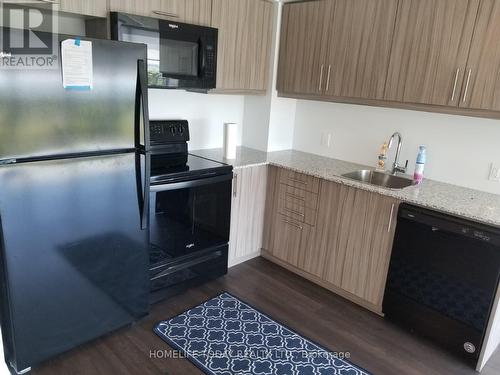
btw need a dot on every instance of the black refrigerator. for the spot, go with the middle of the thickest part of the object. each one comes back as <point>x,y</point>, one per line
<point>74,180</point>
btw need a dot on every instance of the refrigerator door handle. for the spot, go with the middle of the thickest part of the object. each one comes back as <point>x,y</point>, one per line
<point>143,191</point>
<point>141,107</point>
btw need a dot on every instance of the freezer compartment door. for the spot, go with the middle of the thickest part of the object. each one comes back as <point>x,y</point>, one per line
<point>74,257</point>
<point>39,118</point>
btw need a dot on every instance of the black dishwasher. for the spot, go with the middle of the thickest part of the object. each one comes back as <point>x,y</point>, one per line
<point>443,277</point>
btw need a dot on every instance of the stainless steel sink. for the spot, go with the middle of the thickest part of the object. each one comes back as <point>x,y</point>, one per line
<point>380,179</point>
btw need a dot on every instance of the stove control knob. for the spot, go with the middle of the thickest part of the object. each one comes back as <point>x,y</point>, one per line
<point>180,129</point>
<point>172,130</point>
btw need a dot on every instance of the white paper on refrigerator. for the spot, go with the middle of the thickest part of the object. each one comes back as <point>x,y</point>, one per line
<point>77,69</point>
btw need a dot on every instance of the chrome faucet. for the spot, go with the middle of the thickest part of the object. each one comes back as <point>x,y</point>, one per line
<point>395,166</point>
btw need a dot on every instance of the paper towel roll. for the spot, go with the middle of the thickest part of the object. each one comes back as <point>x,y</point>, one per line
<point>230,130</point>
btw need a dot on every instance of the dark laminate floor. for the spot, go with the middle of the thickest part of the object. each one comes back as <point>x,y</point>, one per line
<point>339,325</point>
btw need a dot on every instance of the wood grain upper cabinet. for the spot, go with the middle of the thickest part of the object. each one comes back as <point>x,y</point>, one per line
<point>189,11</point>
<point>244,48</point>
<point>430,49</point>
<point>303,47</point>
<point>197,12</point>
<point>359,45</point>
<point>97,8</point>
<point>481,89</point>
<point>142,8</point>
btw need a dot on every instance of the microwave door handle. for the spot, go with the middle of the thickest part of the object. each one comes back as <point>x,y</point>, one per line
<point>201,58</point>
<point>141,97</point>
<point>191,183</point>
<point>143,191</point>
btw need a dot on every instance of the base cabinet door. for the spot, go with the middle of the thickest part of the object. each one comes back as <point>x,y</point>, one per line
<point>366,244</point>
<point>347,250</point>
<point>289,240</point>
<point>247,213</point>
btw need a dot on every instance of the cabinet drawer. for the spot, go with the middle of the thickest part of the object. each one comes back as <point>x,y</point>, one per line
<point>298,196</point>
<point>297,210</point>
<point>290,240</point>
<point>299,180</point>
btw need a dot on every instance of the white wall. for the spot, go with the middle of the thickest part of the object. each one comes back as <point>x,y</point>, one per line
<point>268,120</point>
<point>460,149</point>
<point>206,114</point>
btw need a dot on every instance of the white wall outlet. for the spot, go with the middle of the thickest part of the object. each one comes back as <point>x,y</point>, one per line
<point>326,140</point>
<point>495,172</point>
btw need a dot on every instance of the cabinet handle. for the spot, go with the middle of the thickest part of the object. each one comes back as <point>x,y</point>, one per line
<point>165,14</point>
<point>321,77</point>
<point>294,212</point>
<point>235,185</point>
<point>467,85</point>
<point>297,181</point>
<point>292,224</point>
<point>455,85</point>
<point>390,219</point>
<point>48,1</point>
<point>328,78</point>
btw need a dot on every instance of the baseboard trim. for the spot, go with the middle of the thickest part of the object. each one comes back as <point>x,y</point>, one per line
<point>236,261</point>
<point>357,300</point>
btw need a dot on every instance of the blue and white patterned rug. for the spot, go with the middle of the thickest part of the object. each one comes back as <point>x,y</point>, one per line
<point>225,336</point>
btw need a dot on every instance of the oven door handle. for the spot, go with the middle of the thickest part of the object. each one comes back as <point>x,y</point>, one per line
<point>191,183</point>
<point>182,266</point>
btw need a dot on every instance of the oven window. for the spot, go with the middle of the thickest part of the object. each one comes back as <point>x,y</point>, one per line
<point>179,58</point>
<point>188,220</point>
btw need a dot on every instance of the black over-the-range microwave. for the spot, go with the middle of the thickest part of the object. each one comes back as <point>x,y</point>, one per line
<point>180,55</point>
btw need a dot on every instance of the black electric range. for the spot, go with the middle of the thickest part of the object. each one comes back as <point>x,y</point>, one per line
<point>190,212</point>
<point>166,168</point>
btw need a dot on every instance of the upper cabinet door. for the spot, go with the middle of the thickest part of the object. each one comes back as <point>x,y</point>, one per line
<point>430,49</point>
<point>142,8</point>
<point>481,88</point>
<point>244,48</point>
<point>189,11</point>
<point>359,45</point>
<point>303,47</point>
<point>97,8</point>
<point>197,12</point>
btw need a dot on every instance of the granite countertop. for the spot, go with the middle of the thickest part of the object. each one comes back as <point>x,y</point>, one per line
<point>460,201</point>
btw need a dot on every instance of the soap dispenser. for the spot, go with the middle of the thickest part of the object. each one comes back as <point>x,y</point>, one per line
<point>418,176</point>
<point>382,157</point>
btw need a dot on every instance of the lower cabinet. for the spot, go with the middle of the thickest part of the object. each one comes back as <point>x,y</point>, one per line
<point>247,213</point>
<point>348,248</point>
<point>289,240</point>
